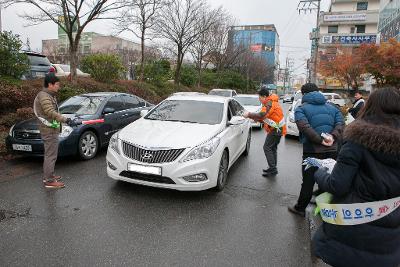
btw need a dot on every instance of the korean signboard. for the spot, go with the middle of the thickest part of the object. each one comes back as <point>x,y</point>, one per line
<point>344,39</point>
<point>346,17</point>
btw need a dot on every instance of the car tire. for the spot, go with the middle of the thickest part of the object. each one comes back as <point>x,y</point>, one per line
<point>222,172</point>
<point>88,145</point>
<point>248,144</point>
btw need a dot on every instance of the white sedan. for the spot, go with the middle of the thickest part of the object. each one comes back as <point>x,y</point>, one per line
<point>187,143</point>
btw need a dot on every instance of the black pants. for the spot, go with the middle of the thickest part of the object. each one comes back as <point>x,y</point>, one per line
<point>307,186</point>
<point>271,149</point>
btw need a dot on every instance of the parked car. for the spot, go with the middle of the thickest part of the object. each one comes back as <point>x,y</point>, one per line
<point>187,93</point>
<point>39,65</point>
<point>251,103</point>
<point>62,70</point>
<point>335,99</point>
<point>287,98</point>
<point>186,143</point>
<point>223,92</point>
<point>102,114</point>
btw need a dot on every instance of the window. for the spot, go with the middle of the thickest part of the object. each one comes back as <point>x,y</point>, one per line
<point>132,102</point>
<point>333,29</point>
<point>116,102</point>
<point>235,108</point>
<point>362,6</point>
<point>360,28</point>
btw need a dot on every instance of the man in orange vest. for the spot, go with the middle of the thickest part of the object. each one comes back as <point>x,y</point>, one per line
<point>272,116</point>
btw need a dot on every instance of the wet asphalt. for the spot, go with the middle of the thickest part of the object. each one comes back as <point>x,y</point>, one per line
<point>96,221</point>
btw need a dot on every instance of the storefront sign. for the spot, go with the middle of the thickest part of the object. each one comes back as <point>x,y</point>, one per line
<point>365,39</point>
<point>346,17</point>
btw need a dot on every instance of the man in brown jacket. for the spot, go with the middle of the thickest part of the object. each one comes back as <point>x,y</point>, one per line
<point>46,110</point>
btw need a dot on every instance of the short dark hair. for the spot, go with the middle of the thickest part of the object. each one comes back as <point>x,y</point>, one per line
<point>382,107</point>
<point>263,91</point>
<point>50,78</point>
<point>308,88</point>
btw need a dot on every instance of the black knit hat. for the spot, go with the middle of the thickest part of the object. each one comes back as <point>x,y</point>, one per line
<point>50,78</point>
<point>263,91</point>
<point>308,88</point>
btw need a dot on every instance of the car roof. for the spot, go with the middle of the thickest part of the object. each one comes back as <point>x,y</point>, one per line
<point>206,98</point>
<point>222,90</point>
<point>246,95</point>
<point>31,53</point>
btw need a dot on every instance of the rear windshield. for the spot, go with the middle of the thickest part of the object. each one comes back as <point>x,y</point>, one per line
<point>65,68</point>
<point>248,101</point>
<point>189,111</point>
<point>220,93</point>
<point>38,60</point>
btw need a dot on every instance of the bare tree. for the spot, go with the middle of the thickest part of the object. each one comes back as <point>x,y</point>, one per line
<point>181,24</point>
<point>139,17</point>
<point>203,46</point>
<point>72,16</point>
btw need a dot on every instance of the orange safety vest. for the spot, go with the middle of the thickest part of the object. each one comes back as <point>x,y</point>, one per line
<point>274,119</point>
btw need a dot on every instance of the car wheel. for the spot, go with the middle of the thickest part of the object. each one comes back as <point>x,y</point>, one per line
<point>222,172</point>
<point>88,145</point>
<point>248,143</point>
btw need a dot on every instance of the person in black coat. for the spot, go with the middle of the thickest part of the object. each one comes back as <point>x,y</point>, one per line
<point>367,170</point>
<point>358,104</point>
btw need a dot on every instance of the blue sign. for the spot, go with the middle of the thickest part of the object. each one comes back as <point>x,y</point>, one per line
<point>366,39</point>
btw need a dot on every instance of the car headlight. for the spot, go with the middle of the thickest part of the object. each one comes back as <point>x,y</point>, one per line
<point>65,131</point>
<point>11,130</point>
<point>204,150</point>
<point>114,143</point>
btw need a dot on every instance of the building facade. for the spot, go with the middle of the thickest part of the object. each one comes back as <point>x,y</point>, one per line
<point>389,20</point>
<point>347,25</point>
<point>261,40</point>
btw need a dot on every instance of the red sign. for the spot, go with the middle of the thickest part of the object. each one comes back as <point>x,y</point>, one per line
<point>256,48</point>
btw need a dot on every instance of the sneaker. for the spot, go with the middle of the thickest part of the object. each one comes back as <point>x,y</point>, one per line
<point>54,184</point>
<point>294,210</point>
<point>55,177</point>
<point>270,174</point>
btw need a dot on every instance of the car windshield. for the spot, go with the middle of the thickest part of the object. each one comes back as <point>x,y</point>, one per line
<point>189,111</point>
<point>38,60</point>
<point>81,105</point>
<point>220,93</point>
<point>65,68</point>
<point>248,101</point>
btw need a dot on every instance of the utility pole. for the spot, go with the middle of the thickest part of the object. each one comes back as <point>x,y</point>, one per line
<point>310,6</point>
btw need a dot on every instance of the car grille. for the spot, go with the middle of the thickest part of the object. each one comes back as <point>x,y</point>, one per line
<point>147,177</point>
<point>27,135</point>
<point>150,156</point>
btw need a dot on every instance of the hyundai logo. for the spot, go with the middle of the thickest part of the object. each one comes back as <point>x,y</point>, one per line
<point>147,156</point>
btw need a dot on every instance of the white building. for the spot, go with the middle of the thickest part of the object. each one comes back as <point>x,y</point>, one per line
<point>348,24</point>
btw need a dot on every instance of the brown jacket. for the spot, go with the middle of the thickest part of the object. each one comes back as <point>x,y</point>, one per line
<point>46,107</point>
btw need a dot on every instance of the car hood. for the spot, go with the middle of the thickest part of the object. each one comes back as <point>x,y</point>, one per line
<point>252,108</point>
<point>33,124</point>
<point>167,134</point>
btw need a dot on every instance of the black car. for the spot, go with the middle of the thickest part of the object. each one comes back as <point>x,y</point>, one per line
<point>102,115</point>
<point>39,65</point>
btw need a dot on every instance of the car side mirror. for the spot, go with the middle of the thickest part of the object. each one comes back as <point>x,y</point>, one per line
<point>236,120</point>
<point>108,111</point>
<point>144,112</point>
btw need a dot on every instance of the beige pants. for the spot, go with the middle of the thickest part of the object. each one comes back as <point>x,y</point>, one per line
<point>50,139</point>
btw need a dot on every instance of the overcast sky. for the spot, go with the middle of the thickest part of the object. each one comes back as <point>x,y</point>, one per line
<point>293,28</point>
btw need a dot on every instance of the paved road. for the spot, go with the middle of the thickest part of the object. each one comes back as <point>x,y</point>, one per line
<point>96,221</point>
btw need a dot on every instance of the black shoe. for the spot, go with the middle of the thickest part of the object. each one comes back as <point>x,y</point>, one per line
<point>270,174</point>
<point>293,209</point>
<point>269,170</point>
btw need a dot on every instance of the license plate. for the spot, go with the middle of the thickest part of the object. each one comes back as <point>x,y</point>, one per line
<point>40,74</point>
<point>144,169</point>
<point>17,147</point>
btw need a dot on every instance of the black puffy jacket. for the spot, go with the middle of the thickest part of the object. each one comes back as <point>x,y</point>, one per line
<point>367,170</point>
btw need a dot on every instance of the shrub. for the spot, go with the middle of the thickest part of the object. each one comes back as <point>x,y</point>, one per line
<point>188,76</point>
<point>103,67</point>
<point>13,63</point>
